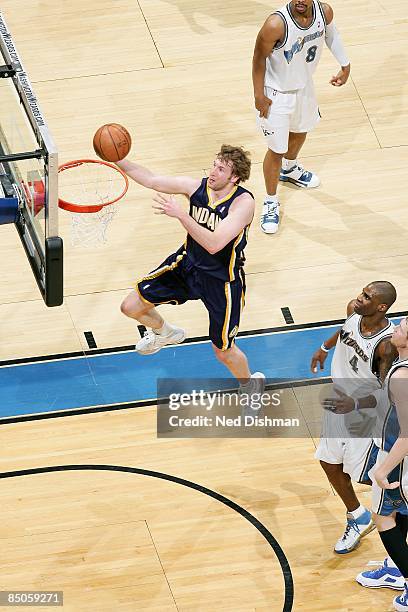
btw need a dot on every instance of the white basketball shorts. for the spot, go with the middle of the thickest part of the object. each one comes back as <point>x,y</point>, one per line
<point>353,453</point>
<point>290,111</point>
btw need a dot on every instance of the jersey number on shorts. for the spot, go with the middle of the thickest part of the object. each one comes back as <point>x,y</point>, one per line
<point>311,53</point>
<point>354,363</point>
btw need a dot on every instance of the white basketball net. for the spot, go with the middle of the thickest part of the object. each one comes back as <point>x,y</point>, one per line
<point>88,184</point>
<point>90,229</point>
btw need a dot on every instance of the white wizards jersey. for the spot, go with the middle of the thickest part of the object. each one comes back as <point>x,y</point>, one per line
<point>353,360</point>
<point>293,61</point>
<point>387,416</point>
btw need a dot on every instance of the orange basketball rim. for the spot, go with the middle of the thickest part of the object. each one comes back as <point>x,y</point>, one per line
<point>94,185</point>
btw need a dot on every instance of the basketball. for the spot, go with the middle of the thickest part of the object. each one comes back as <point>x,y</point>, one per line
<point>112,142</point>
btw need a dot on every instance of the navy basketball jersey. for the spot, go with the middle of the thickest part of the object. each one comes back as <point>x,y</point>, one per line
<point>226,263</point>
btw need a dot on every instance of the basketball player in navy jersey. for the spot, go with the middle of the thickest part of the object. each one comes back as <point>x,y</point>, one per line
<point>287,51</point>
<point>209,265</point>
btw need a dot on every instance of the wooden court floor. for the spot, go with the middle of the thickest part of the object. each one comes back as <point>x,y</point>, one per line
<point>176,73</point>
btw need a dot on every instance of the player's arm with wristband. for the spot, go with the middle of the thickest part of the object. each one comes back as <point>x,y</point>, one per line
<point>335,44</point>
<point>343,403</point>
<point>320,356</point>
<point>385,355</point>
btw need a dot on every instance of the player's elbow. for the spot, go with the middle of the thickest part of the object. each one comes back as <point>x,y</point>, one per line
<point>214,247</point>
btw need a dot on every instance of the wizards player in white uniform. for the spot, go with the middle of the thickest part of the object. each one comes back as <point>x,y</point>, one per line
<point>362,358</point>
<point>390,476</point>
<point>208,267</point>
<point>287,51</point>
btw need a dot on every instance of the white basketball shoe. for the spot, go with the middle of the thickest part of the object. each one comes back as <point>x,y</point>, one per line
<point>355,530</point>
<point>152,343</point>
<point>270,217</point>
<point>300,177</point>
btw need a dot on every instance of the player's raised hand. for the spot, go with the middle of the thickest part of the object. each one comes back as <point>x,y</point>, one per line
<point>319,357</point>
<point>341,77</point>
<point>262,104</point>
<point>166,205</point>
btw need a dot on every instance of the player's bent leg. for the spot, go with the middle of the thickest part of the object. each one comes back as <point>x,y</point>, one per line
<point>235,360</point>
<point>392,528</point>
<point>251,385</point>
<point>134,307</point>
<point>341,483</point>
<point>396,546</point>
<point>161,333</point>
<point>292,171</point>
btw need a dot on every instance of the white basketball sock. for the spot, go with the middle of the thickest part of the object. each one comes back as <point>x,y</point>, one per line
<point>165,330</point>
<point>271,198</point>
<point>287,164</point>
<point>358,512</point>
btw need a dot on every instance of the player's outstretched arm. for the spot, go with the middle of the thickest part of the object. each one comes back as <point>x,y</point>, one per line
<point>271,32</point>
<point>335,44</point>
<point>167,184</point>
<point>240,215</point>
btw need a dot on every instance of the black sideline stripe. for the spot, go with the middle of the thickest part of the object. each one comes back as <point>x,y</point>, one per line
<point>287,315</point>
<point>141,403</point>
<point>130,347</point>
<point>280,555</point>
<point>89,337</point>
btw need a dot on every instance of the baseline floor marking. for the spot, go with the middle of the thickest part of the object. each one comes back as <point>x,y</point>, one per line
<point>89,337</point>
<point>287,315</point>
<point>280,555</point>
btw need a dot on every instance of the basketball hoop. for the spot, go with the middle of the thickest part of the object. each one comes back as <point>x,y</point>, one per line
<point>90,194</point>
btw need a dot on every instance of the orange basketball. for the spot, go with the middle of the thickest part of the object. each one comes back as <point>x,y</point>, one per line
<point>112,142</point>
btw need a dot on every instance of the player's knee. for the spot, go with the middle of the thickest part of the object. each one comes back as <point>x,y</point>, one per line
<point>272,152</point>
<point>222,355</point>
<point>332,469</point>
<point>132,306</point>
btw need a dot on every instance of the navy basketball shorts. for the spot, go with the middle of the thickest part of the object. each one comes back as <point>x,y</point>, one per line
<point>176,281</point>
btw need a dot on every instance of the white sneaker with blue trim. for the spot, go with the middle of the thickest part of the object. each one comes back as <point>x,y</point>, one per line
<point>384,576</point>
<point>401,602</point>
<point>300,177</point>
<point>355,530</point>
<point>270,217</point>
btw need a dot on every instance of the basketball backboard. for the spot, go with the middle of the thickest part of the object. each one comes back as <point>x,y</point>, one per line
<point>29,172</point>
